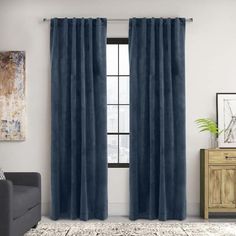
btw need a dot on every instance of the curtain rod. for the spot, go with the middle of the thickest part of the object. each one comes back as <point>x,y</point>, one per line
<point>117,20</point>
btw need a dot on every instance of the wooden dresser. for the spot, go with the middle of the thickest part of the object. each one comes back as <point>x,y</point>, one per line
<point>218,181</point>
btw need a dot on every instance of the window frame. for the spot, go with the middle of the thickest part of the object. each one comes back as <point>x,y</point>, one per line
<point>118,41</point>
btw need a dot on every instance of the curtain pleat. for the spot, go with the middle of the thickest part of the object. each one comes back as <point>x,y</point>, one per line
<point>157,119</point>
<point>78,123</point>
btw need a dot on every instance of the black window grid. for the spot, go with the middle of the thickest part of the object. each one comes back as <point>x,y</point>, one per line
<point>118,165</point>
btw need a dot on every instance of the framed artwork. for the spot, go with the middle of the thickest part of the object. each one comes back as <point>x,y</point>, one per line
<point>226,118</point>
<point>12,96</point>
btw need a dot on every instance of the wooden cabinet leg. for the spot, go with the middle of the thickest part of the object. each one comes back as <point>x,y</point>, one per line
<point>206,214</point>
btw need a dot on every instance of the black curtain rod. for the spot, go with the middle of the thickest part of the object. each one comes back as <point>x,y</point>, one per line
<point>117,20</point>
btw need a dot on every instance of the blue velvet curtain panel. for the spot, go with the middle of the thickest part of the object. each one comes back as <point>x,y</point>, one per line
<point>79,141</point>
<point>157,119</point>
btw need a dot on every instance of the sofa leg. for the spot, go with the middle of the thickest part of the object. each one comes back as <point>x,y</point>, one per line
<point>35,226</point>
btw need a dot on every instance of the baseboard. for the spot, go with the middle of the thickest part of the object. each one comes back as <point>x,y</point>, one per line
<point>193,209</point>
<point>122,209</point>
<point>118,209</point>
<point>46,208</point>
<point>114,209</point>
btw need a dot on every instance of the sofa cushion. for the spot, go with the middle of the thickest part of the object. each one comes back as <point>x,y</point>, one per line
<point>24,198</point>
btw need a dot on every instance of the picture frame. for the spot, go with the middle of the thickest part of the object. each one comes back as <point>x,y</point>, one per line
<point>12,96</point>
<point>226,119</point>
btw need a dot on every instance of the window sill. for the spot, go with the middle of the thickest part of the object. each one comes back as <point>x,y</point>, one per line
<point>118,165</point>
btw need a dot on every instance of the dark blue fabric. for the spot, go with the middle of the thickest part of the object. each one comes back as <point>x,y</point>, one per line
<point>157,119</point>
<point>79,139</point>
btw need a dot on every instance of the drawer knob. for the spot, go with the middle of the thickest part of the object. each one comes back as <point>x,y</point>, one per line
<point>229,157</point>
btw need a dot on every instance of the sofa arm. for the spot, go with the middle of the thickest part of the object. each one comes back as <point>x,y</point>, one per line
<point>24,178</point>
<point>6,195</point>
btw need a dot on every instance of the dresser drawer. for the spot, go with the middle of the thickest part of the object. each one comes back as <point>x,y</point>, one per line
<point>222,157</point>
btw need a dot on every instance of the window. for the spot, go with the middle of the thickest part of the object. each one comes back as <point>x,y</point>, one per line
<point>118,102</point>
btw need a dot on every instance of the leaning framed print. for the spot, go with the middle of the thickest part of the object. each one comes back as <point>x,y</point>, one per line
<point>226,119</point>
<point>12,96</point>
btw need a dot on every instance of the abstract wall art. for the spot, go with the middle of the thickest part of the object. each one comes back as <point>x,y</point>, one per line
<point>226,117</point>
<point>12,96</point>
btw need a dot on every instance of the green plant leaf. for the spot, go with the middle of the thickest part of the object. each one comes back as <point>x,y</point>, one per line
<point>206,124</point>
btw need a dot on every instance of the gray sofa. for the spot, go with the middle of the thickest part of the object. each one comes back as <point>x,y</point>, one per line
<point>20,203</point>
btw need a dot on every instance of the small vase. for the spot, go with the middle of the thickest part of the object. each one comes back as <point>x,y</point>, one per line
<point>214,141</point>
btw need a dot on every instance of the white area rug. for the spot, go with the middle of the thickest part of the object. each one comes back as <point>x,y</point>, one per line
<point>134,229</point>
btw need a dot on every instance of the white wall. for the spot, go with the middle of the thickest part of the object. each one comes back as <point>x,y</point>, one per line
<point>210,68</point>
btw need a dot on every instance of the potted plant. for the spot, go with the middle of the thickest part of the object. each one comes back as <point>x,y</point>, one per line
<point>209,125</point>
